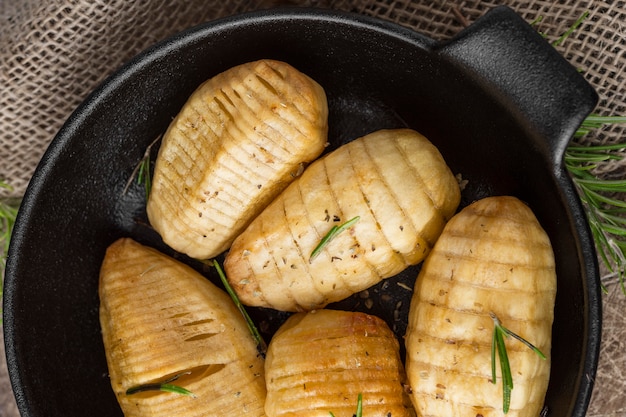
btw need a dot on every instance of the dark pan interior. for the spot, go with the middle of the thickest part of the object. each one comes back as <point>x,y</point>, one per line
<point>376,76</point>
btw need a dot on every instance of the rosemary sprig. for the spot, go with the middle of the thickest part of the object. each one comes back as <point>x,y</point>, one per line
<point>571,29</point>
<point>359,407</point>
<point>8,214</point>
<point>605,213</point>
<point>261,345</point>
<point>595,121</point>
<point>142,170</point>
<point>164,386</point>
<point>143,176</point>
<point>601,198</point>
<point>332,233</point>
<point>498,345</point>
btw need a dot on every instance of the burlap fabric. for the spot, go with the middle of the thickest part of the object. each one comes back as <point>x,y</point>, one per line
<point>54,52</point>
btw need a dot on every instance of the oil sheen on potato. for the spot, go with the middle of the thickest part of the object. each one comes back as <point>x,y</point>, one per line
<point>395,182</point>
<point>319,362</point>
<point>492,257</point>
<point>163,322</point>
<point>238,141</point>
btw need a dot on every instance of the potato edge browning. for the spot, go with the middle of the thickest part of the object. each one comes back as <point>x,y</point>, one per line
<point>450,331</point>
<point>160,318</point>
<point>356,354</point>
<point>269,264</point>
<point>238,141</point>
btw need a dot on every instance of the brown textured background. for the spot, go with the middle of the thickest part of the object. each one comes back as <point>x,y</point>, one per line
<point>54,52</point>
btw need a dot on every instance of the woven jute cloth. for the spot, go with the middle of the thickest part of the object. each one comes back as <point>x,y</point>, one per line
<point>53,53</point>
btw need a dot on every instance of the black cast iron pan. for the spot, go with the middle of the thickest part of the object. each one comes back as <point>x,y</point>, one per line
<point>497,100</point>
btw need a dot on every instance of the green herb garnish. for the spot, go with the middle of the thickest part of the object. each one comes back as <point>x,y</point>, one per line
<point>605,209</point>
<point>164,386</point>
<point>332,233</point>
<point>359,407</point>
<point>8,214</point>
<point>601,198</point>
<point>595,121</point>
<point>261,346</point>
<point>143,176</point>
<point>143,170</point>
<point>571,29</point>
<point>498,345</point>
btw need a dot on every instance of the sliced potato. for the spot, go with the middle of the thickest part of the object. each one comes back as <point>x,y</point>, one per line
<point>395,181</point>
<point>319,362</point>
<point>492,257</point>
<point>161,319</point>
<point>240,139</point>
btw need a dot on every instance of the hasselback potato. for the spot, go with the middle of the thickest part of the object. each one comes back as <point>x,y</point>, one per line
<point>394,181</point>
<point>160,320</point>
<point>238,141</point>
<point>492,258</point>
<point>319,362</point>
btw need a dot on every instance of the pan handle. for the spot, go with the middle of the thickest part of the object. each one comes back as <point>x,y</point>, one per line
<point>511,59</point>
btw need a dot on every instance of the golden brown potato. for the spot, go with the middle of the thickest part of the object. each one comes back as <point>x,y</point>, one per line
<point>395,181</point>
<point>319,362</point>
<point>492,257</point>
<point>240,139</point>
<point>161,319</point>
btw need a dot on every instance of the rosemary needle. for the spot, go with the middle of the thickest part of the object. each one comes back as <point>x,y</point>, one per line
<point>142,170</point>
<point>359,407</point>
<point>505,367</point>
<point>261,346</point>
<point>8,214</point>
<point>606,213</point>
<point>498,346</point>
<point>143,176</point>
<point>164,386</point>
<point>332,233</point>
<point>571,30</point>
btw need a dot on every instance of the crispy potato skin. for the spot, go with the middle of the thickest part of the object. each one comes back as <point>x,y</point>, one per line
<point>319,362</point>
<point>396,181</point>
<point>160,318</point>
<point>491,257</point>
<point>238,141</point>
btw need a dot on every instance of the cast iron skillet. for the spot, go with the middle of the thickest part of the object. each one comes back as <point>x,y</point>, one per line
<point>497,100</point>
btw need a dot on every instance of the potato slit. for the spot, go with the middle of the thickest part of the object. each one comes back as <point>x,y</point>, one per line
<point>277,272</point>
<point>287,117</point>
<point>275,71</point>
<point>295,93</point>
<point>201,336</point>
<point>337,210</point>
<point>418,176</point>
<point>303,255</point>
<point>252,114</point>
<point>243,123</point>
<point>422,186</point>
<point>227,97</point>
<point>223,109</point>
<point>184,220</point>
<point>288,293</point>
<point>198,322</point>
<point>185,377</point>
<point>372,163</point>
<point>340,276</point>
